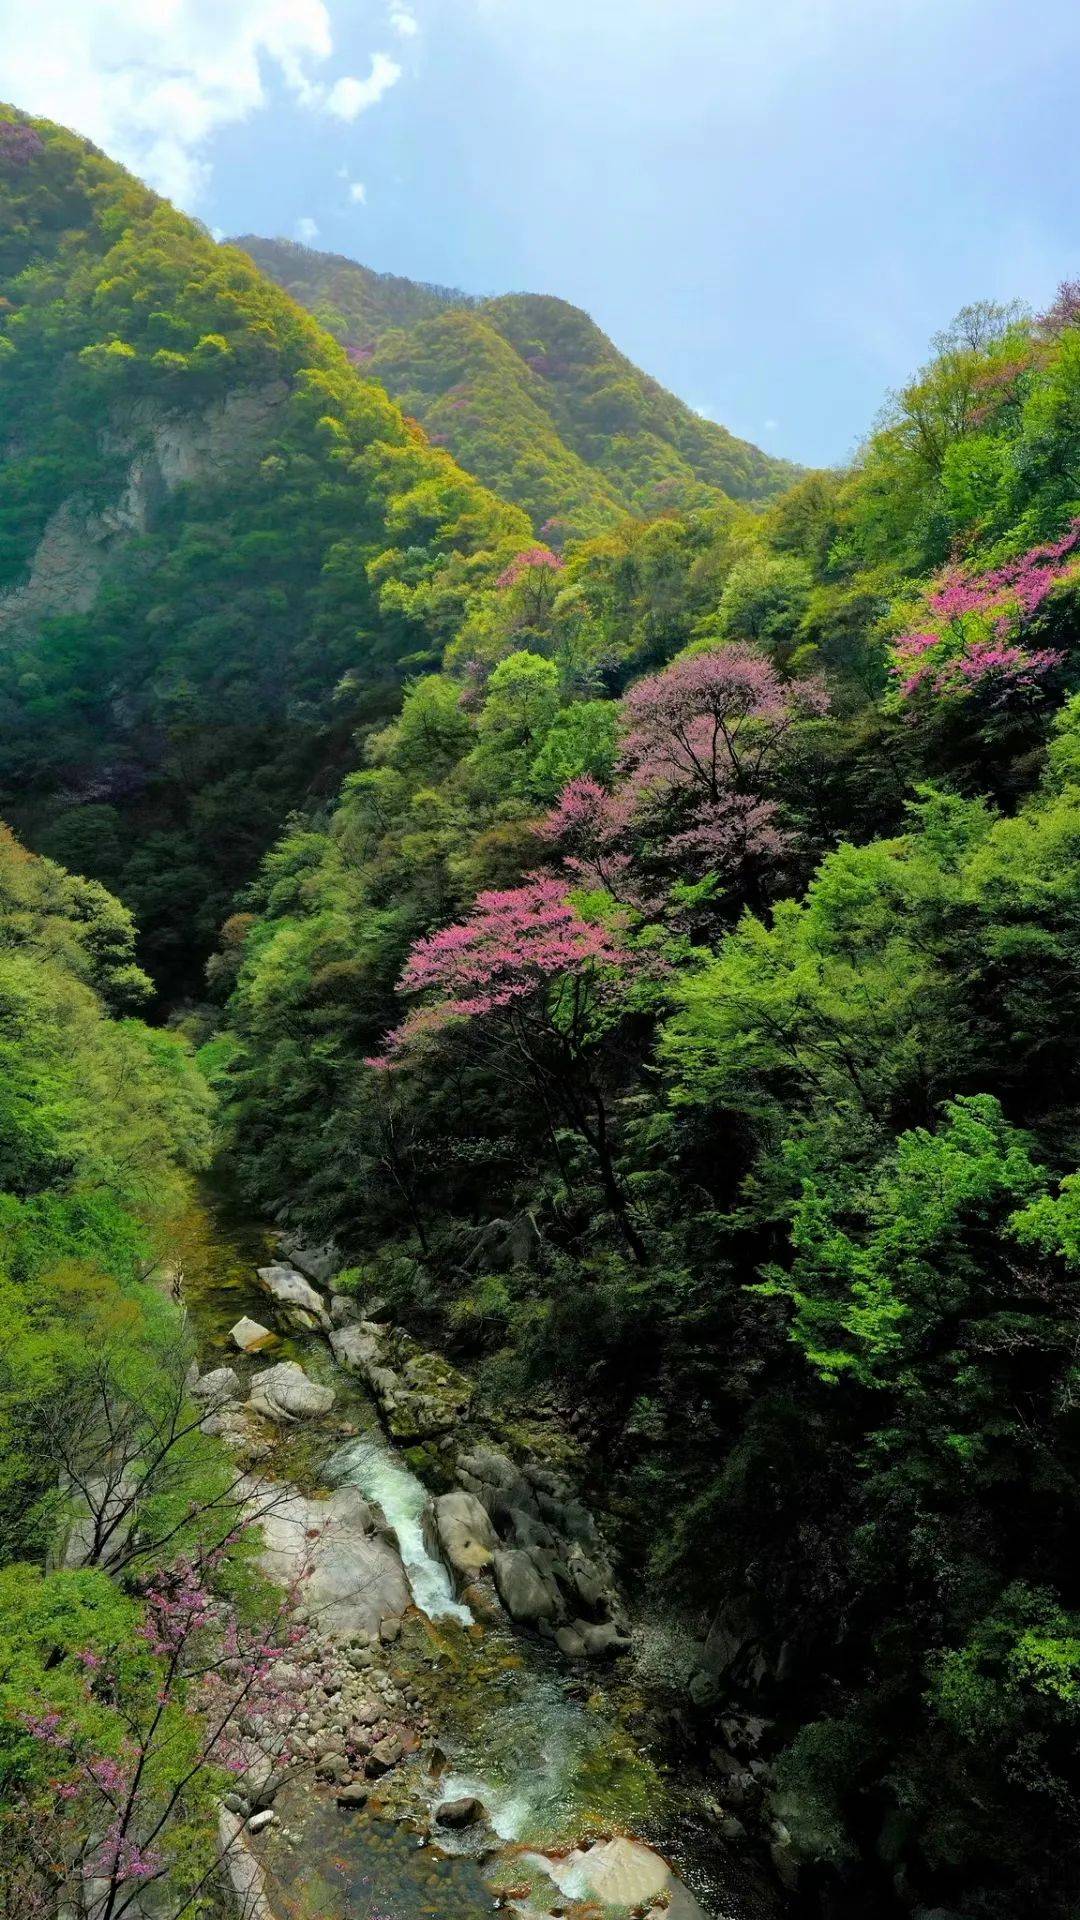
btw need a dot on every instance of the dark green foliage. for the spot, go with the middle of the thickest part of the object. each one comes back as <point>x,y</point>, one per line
<point>784,1196</point>
<point>835,1381</point>
<point>242,542</point>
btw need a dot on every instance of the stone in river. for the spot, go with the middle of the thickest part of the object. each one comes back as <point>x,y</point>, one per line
<point>285,1393</point>
<point>355,1795</point>
<point>250,1337</point>
<point>216,1387</point>
<point>459,1813</point>
<point>351,1578</point>
<point>300,1300</point>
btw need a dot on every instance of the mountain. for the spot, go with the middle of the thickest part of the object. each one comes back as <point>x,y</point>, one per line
<point>220,545</point>
<point>654,967</point>
<point>528,394</point>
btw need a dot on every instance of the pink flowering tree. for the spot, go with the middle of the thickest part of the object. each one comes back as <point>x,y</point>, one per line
<point>539,986</point>
<point>122,1775</point>
<point>700,741</point>
<point>532,580</point>
<point>977,636</point>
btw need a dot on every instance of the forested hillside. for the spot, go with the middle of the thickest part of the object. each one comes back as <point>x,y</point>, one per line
<point>707,927</point>
<point>528,394</point>
<point>664,990</point>
<point>219,546</point>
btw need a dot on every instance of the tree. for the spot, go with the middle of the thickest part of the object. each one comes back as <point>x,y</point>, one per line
<point>533,974</point>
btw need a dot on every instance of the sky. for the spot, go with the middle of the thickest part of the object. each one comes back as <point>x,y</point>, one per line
<point>770,205</point>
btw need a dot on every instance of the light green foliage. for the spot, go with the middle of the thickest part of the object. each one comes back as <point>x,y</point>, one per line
<point>583,739</point>
<point>528,394</point>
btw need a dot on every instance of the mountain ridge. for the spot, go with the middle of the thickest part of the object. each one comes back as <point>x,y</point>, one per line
<point>528,393</point>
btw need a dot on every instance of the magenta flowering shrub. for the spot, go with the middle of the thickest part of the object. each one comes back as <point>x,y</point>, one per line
<point>976,635</point>
<point>513,946</point>
<point>18,143</point>
<point>699,741</point>
<point>204,1704</point>
<point>523,564</point>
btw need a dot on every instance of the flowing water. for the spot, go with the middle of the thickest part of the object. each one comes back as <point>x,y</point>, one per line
<point>542,1747</point>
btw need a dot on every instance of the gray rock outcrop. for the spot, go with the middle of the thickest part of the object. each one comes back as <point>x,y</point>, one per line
<point>284,1393</point>
<point>350,1577</point>
<point>302,1305</point>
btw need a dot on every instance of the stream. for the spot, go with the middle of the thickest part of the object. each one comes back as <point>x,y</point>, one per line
<point>542,1744</point>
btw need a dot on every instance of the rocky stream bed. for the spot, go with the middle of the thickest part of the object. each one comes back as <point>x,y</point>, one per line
<point>473,1725</point>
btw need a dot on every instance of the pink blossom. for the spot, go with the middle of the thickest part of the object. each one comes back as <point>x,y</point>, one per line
<point>514,944</point>
<point>523,563</point>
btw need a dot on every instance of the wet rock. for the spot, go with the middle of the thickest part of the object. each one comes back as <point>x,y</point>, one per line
<point>259,1822</point>
<point>244,1874</point>
<point>528,1595</point>
<point>354,1795</point>
<point>251,1337</point>
<point>570,1643</point>
<point>351,1579</point>
<point>462,1535</point>
<point>463,1812</point>
<point>319,1263</point>
<point>284,1393</point>
<point>384,1754</point>
<point>603,1642</point>
<point>299,1301</point>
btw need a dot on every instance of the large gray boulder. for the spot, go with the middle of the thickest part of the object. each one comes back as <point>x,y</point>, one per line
<point>463,1535</point>
<point>530,1597</point>
<point>299,1301</point>
<point>245,1877</point>
<point>218,1388</point>
<point>284,1393</point>
<point>318,1263</point>
<point>350,1578</point>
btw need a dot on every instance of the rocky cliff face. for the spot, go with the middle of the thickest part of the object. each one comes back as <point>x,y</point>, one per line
<point>163,450</point>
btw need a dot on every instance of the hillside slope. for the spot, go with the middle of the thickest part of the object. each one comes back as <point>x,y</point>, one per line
<point>219,546</point>
<point>528,394</point>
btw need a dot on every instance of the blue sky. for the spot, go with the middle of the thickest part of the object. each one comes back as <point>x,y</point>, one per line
<point>769,204</point>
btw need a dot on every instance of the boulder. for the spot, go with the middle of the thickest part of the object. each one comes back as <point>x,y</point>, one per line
<point>298,1299</point>
<point>216,1388</point>
<point>318,1263</point>
<point>244,1874</point>
<point>623,1873</point>
<point>105,1510</point>
<point>528,1596</point>
<point>351,1579</point>
<point>384,1754</point>
<point>355,1795</point>
<point>285,1393</point>
<point>570,1643</point>
<point>464,1535</point>
<point>603,1642</point>
<point>343,1310</point>
<point>251,1337</point>
<point>355,1345</point>
<point>462,1812</point>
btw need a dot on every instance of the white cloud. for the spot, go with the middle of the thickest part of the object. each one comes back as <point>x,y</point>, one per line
<point>349,97</point>
<point>357,192</point>
<point>307,230</point>
<point>152,81</point>
<point>404,22</point>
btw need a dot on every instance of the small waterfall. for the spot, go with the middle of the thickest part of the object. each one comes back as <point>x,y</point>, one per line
<point>383,1479</point>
